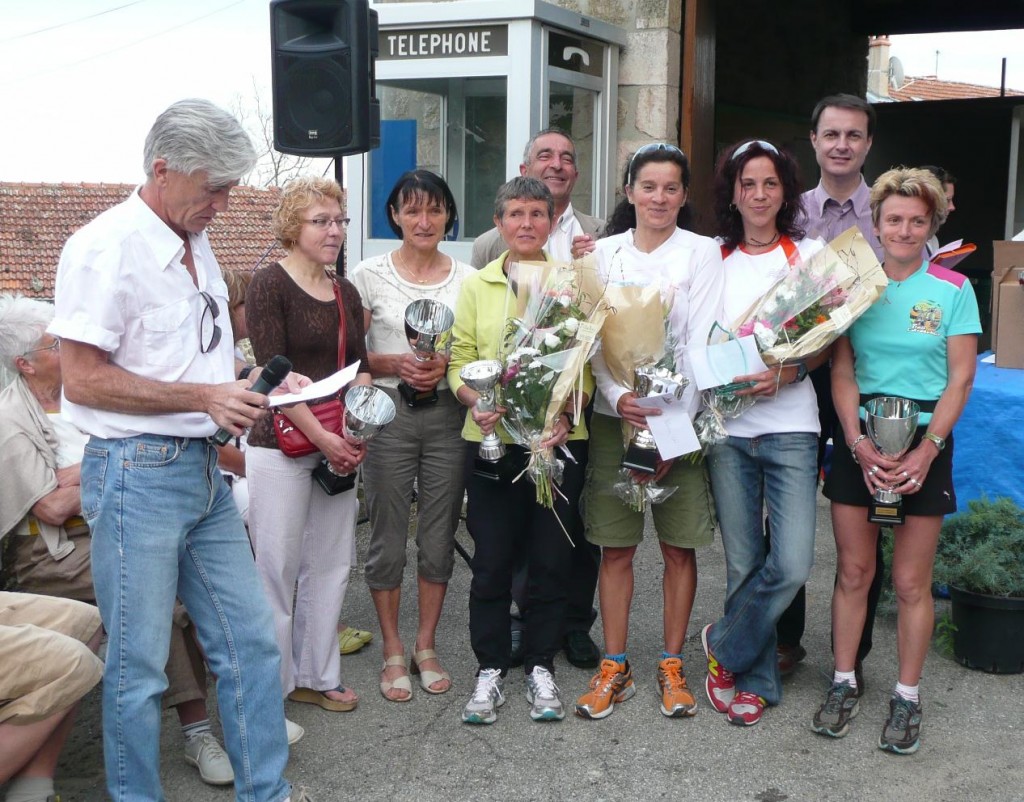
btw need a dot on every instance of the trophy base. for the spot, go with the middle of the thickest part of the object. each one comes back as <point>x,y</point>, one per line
<point>330,482</point>
<point>417,398</point>
<point>887,513</point>
<point>491,470</point>
<point>641,459</point>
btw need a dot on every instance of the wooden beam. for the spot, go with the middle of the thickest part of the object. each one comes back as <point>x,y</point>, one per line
<point>697,107</point>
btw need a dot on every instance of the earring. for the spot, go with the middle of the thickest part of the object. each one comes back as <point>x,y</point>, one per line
<point>732,207</point>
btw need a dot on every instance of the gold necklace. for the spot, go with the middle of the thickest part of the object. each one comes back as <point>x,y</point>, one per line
<point>411,274</point>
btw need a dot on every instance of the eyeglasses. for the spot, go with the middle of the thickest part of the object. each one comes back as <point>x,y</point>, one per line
<point>324,223</point>
<point>747,145</point>
<point>54,346</point>
<point>211,313</point>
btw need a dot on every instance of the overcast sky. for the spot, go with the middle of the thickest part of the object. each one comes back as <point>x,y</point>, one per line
<point>82,80</point>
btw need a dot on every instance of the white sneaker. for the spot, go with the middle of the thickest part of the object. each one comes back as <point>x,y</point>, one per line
<point>486,699</point>
<point>295,731</point>
<point>542,694</point>
<point>206,754</point>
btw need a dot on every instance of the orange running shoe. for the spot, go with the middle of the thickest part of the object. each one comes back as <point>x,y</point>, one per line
<point>676,699</point>
<point>612,684</point>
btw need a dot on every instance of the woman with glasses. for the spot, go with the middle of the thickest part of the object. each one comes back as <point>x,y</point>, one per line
<point>769,459</point>
<point>300,535</point>
<point>421,451</point>
<point>649,246</point>
<point>919,342</point>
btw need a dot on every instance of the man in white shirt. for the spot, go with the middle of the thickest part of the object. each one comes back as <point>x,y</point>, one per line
<point>148,366</point>
<point>549,156</point>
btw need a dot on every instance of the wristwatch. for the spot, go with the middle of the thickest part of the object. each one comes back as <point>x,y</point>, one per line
<point>244,372</point>
<point>940,442</point>
<point>801,372</point>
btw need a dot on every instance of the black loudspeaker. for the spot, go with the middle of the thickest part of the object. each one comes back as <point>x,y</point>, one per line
<point>323,76</point>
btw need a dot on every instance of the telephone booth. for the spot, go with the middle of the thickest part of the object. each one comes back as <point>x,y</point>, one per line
<point>462,87</point>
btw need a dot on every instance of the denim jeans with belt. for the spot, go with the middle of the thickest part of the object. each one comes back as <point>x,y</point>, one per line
<point>164,525</point>
<point>748,473</point>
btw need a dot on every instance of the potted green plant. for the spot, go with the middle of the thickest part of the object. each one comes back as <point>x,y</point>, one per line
<point>981,558</point>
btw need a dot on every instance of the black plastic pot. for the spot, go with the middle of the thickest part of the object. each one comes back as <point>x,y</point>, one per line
<point>989,631</point>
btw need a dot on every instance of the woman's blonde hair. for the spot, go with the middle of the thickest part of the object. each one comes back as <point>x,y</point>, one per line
<point>238,282</point>
<point>299,195</point>
<point>910,182</point>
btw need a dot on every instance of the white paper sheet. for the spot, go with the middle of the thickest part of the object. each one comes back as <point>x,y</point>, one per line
<point>952,246</point>
<point>715,365</point>
<point>672,429</point>
<point>320,389</point>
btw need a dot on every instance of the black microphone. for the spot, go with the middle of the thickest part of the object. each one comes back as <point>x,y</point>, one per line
<point>271,376</point>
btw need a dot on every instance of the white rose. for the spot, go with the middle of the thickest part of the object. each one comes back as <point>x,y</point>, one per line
<point>765,336</point>
<point>551,341</point>
<point>571,325</point>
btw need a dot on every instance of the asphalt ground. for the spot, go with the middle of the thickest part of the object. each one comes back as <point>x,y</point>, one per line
<point>972,743</point>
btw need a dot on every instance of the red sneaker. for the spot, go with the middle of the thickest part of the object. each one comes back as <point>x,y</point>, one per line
<point>746,709</point>
<point>720,684</point>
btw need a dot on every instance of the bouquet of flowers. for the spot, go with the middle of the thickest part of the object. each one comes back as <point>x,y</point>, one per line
<point>638,332</point>
<point>557,311</point>
<point>816,301</point>
<point>800,316</point>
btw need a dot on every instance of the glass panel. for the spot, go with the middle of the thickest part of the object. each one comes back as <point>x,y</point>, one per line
<point>410,136</point>
<point>484,147</point>
<point>453,127</point>
<point>572,109</point>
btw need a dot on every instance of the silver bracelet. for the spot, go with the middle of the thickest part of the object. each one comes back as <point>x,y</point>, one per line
<point>853,447</point>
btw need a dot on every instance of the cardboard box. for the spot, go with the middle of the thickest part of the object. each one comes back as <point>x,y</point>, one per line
<point>1008,304</point>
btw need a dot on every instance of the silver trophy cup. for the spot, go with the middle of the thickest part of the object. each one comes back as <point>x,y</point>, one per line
<point>426,321</point>
<point>891,423</point>
<point>649,380</point>
<point>483,376</point>
<point>367,411</point>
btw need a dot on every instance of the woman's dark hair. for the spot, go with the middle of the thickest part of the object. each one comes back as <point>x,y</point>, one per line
<point>730,166</point>
<point>425,183</point>
<point>623,216</point>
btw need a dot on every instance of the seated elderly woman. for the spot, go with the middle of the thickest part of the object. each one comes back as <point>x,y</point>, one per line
<point>40,506</point>
<point>506,523</point>
<point>918,342</point>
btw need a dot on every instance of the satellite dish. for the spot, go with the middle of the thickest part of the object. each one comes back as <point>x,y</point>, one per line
<point>896,75</point>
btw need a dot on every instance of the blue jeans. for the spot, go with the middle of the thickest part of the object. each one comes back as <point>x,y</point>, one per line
<point>780,471</point>
<point>163,525</point>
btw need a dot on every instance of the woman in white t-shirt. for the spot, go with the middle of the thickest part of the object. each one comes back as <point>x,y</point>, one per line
<point>769,460</point>
<point>422,447</point>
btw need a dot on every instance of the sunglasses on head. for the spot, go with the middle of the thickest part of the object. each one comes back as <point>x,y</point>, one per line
<point>748,145</point>
<point>654,147</point>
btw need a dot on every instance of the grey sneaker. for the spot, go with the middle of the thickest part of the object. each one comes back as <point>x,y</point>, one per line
<point>903,727</point>
<point>300,794</point>
<point>206,754</point>
<point>840,706</point>
<point>482,707</point>
<point>542,694</point>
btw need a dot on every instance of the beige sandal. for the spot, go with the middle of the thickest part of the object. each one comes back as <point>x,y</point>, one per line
<point>402,683</point>
<point>427,677</point>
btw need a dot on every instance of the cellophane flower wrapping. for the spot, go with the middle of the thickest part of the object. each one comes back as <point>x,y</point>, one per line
<point>636,332</point>
<point>557,312</point>
<point>815,301</point>
<point>801,315</point>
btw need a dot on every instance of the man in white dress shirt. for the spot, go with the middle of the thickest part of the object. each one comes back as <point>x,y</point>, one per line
<point>147,358</point>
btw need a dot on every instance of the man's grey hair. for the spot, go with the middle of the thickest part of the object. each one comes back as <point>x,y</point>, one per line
<point>523,188</point>
<point>194,134</point>
<point>23,323</point>
<point>554,129</point>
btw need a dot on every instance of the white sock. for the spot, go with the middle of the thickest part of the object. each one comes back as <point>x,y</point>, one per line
<point>849,677</point>
<point>27,789</point>
<point>909,692</point>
